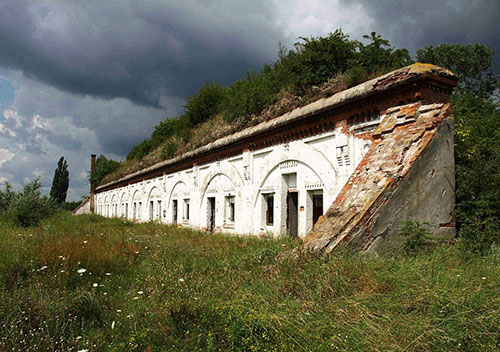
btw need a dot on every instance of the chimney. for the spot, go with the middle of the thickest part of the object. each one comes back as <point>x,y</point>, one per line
<point>92,190</point>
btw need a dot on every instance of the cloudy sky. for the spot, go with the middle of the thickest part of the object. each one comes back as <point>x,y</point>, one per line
<point>82,77</point>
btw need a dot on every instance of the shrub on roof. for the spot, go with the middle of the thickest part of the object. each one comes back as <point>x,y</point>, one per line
<point>204,104</point>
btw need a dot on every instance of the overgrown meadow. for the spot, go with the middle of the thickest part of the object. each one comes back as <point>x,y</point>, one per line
<point>89,283</point>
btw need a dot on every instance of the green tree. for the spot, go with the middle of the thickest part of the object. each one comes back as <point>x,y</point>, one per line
<point>472,64</point>
<point>103,167</point>
<point>28,207</point>
<point>378,55</point>
<point>204,104</point>
<point>60,182</point>
<point>314,60</point>
<point>477,140</point>
<point>6,197</point>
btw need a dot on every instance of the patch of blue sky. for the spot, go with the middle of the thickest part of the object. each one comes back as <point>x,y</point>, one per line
<point>6,89</point>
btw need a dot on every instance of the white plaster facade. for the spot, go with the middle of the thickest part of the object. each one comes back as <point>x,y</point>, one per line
<point>233,195</point>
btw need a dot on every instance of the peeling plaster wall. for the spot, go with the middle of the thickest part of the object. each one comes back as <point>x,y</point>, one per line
<point>426,194</point>
<point>407,174</point>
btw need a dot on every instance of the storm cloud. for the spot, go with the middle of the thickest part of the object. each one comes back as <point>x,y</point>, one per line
<point>415,24</point>
<point>138,50</point>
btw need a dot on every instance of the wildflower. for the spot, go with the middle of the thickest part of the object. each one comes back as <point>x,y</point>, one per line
<point>81,271</point>
<point>483,278</point>
<point>78,337</point>
<point>43,268</point>
<point>181,280</point>
<point>140,292</point>
<point>108,274</point>
<point>62,271</point>
<point>118,310</point>
<point>113,325</point>
<point>95,284</point>
<point>135,298</point>
<point>84,242</point>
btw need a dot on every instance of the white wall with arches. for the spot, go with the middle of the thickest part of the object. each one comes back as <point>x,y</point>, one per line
<point>280,189</point>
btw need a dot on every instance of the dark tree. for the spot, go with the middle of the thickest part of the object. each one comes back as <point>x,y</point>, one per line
<point>60,182</point>
<point>103,167</point>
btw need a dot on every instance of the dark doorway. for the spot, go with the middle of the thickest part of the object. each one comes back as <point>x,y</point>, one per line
<point>317,207</point>
<point>292,213</point>
<point>211,214</point>
<point>174,211</point>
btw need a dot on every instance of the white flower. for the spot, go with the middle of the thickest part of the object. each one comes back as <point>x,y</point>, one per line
<point>84,242</point>
<point>140,292</point>
<point>84,350</point>
<point>483,278</point>
<point>81,271</point>
<point>135,298</point>
<point>95,284</point>
<point>78,337</point>
<point>118,310</point>
<point>43,268</point>
<point>181,280</point>
<point>113,325</point>
<point>108,274</point>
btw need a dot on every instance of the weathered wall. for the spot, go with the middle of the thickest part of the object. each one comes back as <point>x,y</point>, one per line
<point>426,194</point>
<point>407,174</point>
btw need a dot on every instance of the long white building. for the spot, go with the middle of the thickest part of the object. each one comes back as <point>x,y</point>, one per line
<point>280,176</point>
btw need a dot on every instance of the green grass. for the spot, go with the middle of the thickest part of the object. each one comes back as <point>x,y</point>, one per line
<point>163,288</point>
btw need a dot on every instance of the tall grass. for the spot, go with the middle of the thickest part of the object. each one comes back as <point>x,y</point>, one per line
<point>150,287</point>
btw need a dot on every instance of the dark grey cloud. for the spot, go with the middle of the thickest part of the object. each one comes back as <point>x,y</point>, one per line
<point>414,24</point>
<point>140,51</point>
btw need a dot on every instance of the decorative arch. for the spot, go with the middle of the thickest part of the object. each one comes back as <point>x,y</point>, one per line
<point>114,205</point>
<point>179,177</point>
<point>225,169</point>
<point>177,185</point>
<point>135,196</point>
<point>123,200</point>
<point>154,193</point>
<point>303,153</point>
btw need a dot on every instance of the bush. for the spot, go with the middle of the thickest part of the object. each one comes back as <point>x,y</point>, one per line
<point>6,197</point>
<point>28,207</point>
<point>250,95</point>
<point>204,104</point>
<point>479,236</point>
<point>417,237</point>
<point>169,149</point>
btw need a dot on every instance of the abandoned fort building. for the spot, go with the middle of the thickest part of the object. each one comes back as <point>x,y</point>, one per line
<point>344,169</point>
